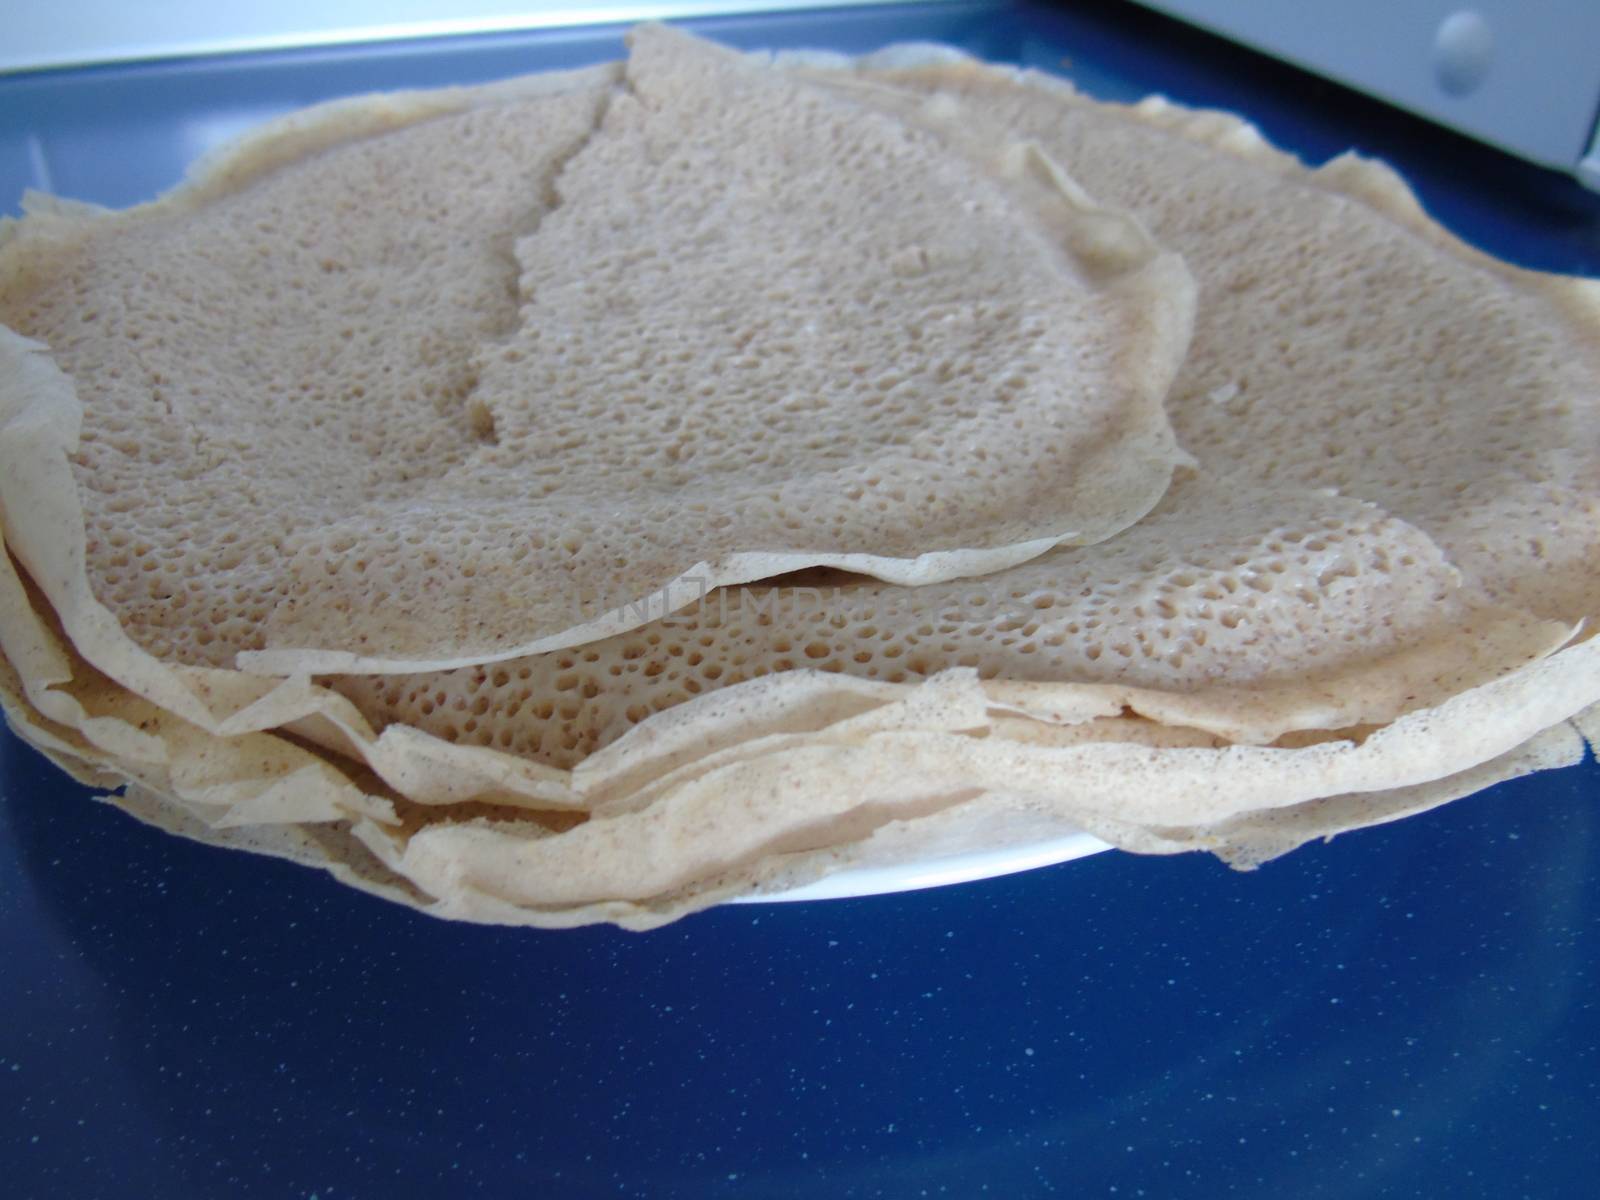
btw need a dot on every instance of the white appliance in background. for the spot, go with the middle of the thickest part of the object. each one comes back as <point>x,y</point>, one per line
<point>1523,75</point>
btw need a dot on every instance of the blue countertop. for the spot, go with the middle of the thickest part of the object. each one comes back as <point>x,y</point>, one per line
<point>1407,1011</point>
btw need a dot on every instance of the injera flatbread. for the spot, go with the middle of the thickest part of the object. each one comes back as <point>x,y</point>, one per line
<point>799,772</point>
<point>488,382</point>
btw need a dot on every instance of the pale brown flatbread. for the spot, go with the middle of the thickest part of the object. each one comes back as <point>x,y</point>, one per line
<point>1305,635</point>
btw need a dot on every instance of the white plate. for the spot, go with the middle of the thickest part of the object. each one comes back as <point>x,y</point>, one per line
<point>939,872</point>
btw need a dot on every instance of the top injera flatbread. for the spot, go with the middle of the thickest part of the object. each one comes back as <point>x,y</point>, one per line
<point>538,368</point>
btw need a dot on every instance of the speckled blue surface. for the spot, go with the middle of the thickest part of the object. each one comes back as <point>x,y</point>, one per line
<point>1408,1011</point>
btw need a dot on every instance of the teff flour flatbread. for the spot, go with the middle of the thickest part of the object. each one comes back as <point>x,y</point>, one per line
<point>1303,636</point>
